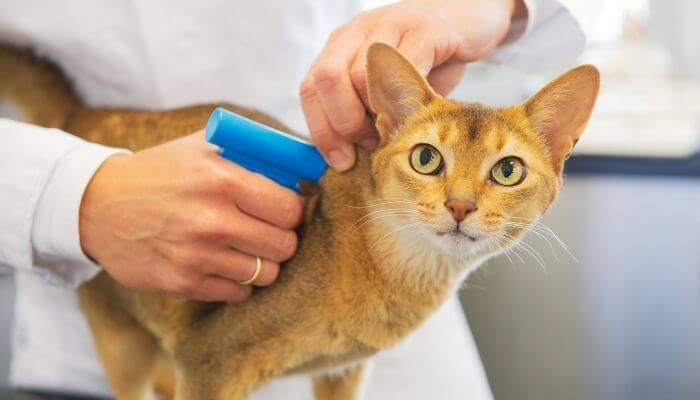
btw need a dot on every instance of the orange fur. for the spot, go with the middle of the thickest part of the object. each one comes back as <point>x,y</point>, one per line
<point>372,261</point>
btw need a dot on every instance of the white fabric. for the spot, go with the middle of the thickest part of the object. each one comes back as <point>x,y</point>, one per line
<point>432,363</point>
<point>162,54</point>
<point>47,160</point>
<point>58,257</point>
<point>553,39</point>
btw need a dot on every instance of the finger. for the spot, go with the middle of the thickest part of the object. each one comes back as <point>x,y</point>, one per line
<point>388,34</point>
<point>249,235</point>
<point>240,267</point>
<point>264,199</point>
<point>419,50</point>
<point>337,151</point>
<point>426,49</point>
<point>445,77</point>
<point>334,89</point>
<point>339,50</point>
<point>215,288</point>
<point>336,93</point>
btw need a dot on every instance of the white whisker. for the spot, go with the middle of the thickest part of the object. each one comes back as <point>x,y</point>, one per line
<point>529,229</point>
<point>383,204</point>
<point>386,215</point>
<point>370,214</point>
<point>376,242</point>
<point>505,242</point>
<point>543,228</point>
<point>530,250</point>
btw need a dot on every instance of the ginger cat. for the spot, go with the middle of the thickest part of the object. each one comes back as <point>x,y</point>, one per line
<point>381,246</point>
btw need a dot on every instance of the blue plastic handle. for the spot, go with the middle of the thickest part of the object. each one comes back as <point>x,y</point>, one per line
<point>265,150</point>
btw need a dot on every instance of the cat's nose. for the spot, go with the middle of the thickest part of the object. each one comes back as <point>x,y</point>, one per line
<point>460,208</point>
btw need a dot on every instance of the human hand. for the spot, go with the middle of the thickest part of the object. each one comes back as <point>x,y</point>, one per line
<point>179,219</point>
<point>438,36</point>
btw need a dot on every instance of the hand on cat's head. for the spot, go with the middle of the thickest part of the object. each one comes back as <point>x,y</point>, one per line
<point>438,36</point>
<point>468,174</point>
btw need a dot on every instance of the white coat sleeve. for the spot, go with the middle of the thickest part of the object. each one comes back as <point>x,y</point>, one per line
<point>43,174</point>
<point>549,38</point>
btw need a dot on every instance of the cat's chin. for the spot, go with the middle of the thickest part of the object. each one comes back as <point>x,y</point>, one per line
<point>457,242</point>
<point>457,236</point>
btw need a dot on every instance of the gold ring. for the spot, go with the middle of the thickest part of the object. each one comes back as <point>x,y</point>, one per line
<point>258,268</point>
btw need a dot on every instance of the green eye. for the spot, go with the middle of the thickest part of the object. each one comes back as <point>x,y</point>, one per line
<point>510,171</point>
<point>426,160</point>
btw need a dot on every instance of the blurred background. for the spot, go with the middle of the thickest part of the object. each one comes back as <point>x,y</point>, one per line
<point>607,306</point>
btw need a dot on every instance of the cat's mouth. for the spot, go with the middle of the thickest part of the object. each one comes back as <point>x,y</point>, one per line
<point>456,233</point>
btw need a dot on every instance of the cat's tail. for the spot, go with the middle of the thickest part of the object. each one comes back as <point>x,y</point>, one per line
<point>37,87</point>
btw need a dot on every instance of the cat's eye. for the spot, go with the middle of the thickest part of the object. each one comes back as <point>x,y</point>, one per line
<point>426,160</point>
<point>509,171</point>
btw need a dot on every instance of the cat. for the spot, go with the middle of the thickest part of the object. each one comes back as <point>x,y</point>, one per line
<point>381,246</point>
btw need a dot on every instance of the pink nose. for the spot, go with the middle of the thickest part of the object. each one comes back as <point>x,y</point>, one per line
<point>460,209</point>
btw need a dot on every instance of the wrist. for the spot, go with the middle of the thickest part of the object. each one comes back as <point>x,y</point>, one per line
<point>99,188</point>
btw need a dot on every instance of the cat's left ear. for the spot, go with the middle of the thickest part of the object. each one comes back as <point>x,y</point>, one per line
<point>560,110</point>
<point>395,88</point>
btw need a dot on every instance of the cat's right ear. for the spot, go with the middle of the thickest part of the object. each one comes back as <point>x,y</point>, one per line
<point>395,87</point>
<point>560,111</point>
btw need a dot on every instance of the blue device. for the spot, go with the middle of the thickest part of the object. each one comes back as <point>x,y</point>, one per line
<point>259,148</point>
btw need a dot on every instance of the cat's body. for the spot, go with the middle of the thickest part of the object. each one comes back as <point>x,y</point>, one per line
<point>359,282</point>
<point>287,327</point>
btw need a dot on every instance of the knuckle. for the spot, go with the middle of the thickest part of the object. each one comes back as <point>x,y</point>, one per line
<point>201,165</point>
<point>275,273</point>
<point>327,76</point>
<point>183,285</point>
<point>322,138</point>
<point>293,212</point>
<point>288,246</point>
<point>190,260</point>
<point>205,225</point>
<point>214,179</point>
<point>234,181</point>
<point>271,273</point>
<point>351,124</point>
<point>196,226</point>
<point>366,17</point>
<point>259,187</point>
<point>359,79</point>
<point>296,212</point>
<point>318,136</point>
<point>307,90</point>
<point>338,32</point>
<point>218,229</point>
<point>233,232</point>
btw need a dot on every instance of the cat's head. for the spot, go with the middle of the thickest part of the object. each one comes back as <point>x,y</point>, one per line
<point>467,177</point>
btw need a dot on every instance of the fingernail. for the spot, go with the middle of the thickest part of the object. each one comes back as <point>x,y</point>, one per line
<point>369,143</point>
<point>341,159</point>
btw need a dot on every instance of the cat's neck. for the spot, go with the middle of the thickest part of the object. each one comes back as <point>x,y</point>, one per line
<point>408,259</point>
